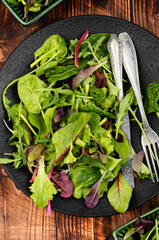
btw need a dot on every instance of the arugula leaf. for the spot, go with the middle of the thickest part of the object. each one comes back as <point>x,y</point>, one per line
<point>90,107</point>
<point>123,107</point>
<point>42,189</point>
<point>119,194</point>
<point>50,47</point>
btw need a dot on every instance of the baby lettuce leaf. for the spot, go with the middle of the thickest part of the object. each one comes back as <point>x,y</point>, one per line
<point>46,67</point>
<point>62,182</point>
<point>42,189</point>
<point>119,194</point>
<point>30,94</point>
<point>92,198</point>
<point>50,47</point>
<point>151,102</point>
<point>63,138</point>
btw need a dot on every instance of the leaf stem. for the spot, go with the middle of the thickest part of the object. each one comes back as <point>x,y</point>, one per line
<point>28,124</point>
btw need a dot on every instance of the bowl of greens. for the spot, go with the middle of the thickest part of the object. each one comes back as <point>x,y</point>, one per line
<point>59,106</point>
<point>29,11</point>
<point>144,227</point>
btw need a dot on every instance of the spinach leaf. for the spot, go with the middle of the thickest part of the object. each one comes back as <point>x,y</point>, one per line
<point>60,73</point>
<point>119,194</point>
<point>89,176</point>
<point>53,44</point>
<point>28,90</point>
<point>79,190</point>
<point>151,103</point>
<point>46,67</point>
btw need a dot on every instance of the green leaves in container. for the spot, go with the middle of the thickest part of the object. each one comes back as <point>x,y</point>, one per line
<point>42,188</point>
<point>54,45</point>
<point>151,103</point>
<point>30,90</point>
<point>119,194</point>
<point>60,73</point>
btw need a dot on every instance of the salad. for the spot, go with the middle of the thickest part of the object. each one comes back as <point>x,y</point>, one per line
<point>66,124</point>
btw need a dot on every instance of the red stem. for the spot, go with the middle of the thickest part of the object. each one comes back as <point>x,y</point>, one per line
<point>77,47</point>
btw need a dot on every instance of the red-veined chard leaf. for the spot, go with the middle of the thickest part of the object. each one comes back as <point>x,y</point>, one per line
<point>119,194</point>
<point>77,46</point>
<point>63,138</point>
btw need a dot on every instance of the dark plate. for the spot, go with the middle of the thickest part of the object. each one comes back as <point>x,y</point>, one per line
<point>147,47</point>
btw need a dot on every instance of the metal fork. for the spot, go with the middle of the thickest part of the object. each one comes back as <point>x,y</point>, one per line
<point>151,144</point>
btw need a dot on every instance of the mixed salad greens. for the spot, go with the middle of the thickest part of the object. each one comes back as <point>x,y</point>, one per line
<point>31,5</point>
<point>143,229</point>
<point>66,125</point>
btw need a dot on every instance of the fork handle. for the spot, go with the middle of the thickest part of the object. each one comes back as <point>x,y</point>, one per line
<point>131,68</point>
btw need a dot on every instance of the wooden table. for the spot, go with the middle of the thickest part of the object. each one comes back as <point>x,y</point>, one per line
<point>19,218</point>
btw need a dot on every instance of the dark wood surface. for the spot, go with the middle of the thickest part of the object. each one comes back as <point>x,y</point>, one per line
<point>19,218</point>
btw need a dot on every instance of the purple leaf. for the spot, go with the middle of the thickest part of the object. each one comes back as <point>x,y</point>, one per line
<point>62,181</point>
<point>106,125</point>
<point>84,73</point>
<point>92,198</point>
<point>147,224</point>
<point>101,80</point>
<point>59,112</point>
<point>119,137</point>
<point>137,161</point>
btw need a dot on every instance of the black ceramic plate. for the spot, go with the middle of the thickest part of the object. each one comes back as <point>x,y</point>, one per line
<point>147,47</point>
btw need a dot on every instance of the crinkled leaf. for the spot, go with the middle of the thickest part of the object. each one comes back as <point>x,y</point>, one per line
<point>42,189</point>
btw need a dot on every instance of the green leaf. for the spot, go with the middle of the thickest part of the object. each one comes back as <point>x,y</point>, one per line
<point>50,47</point>
<point>28,87</point>
<point>123,107</point>
<point>60,73</point>
<point>122,148</point>
<point>7,160</point>
<point>151,102</point>
<point>63,137</point>
<point>90,107</point>
<point>49,115</point>
<point>42,188</point>
<point>45,67</point>
<point>106,143</point>
<point>119,194</point>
